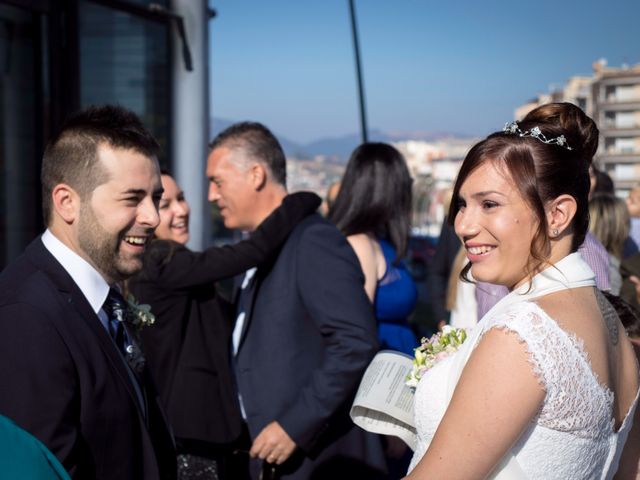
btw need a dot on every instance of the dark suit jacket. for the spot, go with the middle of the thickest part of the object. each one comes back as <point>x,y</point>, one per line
<point>440,271</point>
<point>63,379</point>
<point>309,335</point>
<point>188,347</point>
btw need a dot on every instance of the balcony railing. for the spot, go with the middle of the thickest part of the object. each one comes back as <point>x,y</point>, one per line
<point>615,156</point>
<point>613,98</point>
<point>614,126</point>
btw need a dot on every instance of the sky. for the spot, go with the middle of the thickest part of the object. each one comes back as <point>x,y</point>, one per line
<point>450,66</point>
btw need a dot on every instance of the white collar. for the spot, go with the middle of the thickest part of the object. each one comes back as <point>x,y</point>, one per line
<point>89,281</point>
<point>570,272</point>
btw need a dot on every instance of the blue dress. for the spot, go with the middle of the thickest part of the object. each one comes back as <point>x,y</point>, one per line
<point>395,299</point>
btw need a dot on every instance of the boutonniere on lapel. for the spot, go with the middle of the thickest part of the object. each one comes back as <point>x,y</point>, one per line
<point>138,315</point>
<point>433,350</point>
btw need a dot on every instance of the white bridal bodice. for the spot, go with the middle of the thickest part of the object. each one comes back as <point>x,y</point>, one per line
<point>573,435</point>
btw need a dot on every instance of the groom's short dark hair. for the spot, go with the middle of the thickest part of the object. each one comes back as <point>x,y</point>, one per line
<point>71,156</point>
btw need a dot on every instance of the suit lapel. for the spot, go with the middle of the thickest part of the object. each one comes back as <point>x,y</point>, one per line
<point>74,296</point>
<point>108,347</point>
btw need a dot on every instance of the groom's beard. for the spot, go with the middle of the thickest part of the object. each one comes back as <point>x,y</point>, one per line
<point>104,248</point>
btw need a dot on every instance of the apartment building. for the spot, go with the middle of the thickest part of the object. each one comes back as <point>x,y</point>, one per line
<point>577,90</point>
<point>611,96</point>
<point>616,102</point>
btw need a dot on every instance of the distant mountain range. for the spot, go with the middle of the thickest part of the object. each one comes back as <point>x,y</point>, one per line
<point>339,148</point>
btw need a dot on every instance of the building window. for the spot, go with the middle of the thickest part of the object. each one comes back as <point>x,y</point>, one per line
<point>125,59</point>
<point>625,145</point>
<point>625,120</point>
<point>21,121</point>
<point>625,93</point>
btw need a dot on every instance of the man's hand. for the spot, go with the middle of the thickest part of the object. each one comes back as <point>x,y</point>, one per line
<point>273,444</point>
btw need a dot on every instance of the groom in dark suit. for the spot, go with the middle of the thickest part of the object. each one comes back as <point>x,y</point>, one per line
<point>305,330</point>
<point>70,370</point>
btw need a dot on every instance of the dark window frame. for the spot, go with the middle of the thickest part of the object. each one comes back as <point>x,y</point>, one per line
<point>57,66</point>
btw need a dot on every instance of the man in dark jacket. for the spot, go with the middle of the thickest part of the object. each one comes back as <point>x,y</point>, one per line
<point>305,330</point>
<point>71,372</point>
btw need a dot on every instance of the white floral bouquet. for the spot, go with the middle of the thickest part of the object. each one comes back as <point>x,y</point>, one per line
<point>433,350</point>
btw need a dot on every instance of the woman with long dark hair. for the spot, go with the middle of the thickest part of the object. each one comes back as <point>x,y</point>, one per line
<point>373,210</point>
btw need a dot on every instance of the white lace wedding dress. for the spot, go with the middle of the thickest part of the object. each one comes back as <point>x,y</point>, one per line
<point>573,435</point>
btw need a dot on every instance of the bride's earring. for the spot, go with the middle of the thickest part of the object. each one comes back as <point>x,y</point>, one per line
<point>555,232</point>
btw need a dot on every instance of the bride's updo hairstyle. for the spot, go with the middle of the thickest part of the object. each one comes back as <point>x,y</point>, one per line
<point>547,154</point>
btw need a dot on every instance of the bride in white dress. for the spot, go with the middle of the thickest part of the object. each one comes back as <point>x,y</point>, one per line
<point>546,385</point>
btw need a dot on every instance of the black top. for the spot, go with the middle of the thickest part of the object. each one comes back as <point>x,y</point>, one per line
<point>440,271</point>
<point>628,267</point>
<point>187,349</point>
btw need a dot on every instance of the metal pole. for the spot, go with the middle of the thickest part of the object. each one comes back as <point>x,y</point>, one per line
<point>190,116</point>
<point>356,48</point>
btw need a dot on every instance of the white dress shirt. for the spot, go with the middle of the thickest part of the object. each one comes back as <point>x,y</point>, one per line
<point>89,281</point>
<point>239,327</point>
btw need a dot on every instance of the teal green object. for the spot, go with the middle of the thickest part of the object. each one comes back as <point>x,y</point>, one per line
<point>23,456</point>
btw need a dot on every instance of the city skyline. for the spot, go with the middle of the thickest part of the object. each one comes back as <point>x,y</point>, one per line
<point>460,67</point>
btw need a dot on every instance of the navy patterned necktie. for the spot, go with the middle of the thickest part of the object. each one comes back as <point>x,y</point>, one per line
<point>123,336</point>
<point>115,307</point>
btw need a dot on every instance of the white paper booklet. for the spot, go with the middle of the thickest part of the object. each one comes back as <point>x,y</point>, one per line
<point>384,403</point>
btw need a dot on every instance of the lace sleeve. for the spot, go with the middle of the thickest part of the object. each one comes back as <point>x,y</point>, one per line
<point>524,319</point>
<point>559,361</point>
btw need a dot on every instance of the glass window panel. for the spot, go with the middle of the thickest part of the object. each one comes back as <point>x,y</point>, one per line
<point>625,93</point>
<point>626,172</point>
<point>625,120</point>
<point>625,145</point>
<point>124,59</point>
<point>19,138</point>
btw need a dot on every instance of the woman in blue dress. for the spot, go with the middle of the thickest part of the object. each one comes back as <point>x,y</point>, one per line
<point>373,210</point>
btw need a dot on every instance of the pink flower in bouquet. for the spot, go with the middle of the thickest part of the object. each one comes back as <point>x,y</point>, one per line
<point>433,350</point>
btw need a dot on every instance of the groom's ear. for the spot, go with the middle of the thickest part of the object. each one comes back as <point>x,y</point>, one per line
<point>66,203</point>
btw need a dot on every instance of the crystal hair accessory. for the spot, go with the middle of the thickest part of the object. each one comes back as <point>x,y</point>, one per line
<point>513,129</point>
